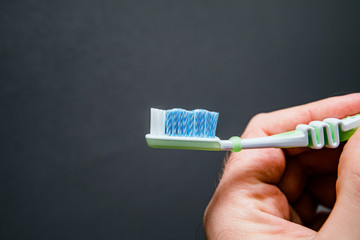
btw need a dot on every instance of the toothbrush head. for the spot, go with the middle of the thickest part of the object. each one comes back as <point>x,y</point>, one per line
<point>178,122</point>
<point>181,129</point>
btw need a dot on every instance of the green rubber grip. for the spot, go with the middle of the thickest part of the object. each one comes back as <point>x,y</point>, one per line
<point>236,141</point>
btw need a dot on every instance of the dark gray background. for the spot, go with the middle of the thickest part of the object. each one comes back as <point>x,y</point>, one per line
<point>78,78</point>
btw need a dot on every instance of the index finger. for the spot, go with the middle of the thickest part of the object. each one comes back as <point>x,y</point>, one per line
<point>287,119</point>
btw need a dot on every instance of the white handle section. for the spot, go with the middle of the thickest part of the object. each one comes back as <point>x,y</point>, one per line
<point>350,123</point>
<point>293,139</point>
<point>226,145</point>
<point>333,141</point>
<point>319,131</point>
<point>327,132</point>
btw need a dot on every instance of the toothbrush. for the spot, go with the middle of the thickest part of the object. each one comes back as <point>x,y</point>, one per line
<point>195,130</point>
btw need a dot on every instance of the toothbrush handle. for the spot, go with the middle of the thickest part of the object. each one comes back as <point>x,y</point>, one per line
<point>296,138</point>
<point>316,135</point>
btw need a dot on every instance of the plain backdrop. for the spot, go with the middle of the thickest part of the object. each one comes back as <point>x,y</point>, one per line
<point>77,80</point>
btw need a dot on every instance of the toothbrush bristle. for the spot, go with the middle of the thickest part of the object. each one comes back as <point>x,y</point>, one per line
<point>196,123</point>
<point>191,123</point>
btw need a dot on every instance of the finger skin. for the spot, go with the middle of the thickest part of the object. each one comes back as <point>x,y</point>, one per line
<point>307,164</point>
<point>315,162</point>
<point>322,189</point>
<point>293,180</point>
<point>344,220</point>
<point>306,208</point>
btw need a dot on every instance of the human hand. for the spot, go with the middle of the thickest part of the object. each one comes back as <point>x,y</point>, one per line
<point>273,193</point>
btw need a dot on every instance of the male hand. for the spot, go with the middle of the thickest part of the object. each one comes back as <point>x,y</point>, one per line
<point>273,193</point>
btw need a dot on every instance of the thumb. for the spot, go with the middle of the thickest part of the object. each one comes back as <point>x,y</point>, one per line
<point>344,220</point>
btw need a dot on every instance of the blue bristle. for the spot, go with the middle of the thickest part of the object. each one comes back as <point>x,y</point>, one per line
<point>181,113</point>
<point>200,123</point>
<point>175,125</point>
<point>191,124</point>
<point>172,123</point>
<point>197,123</point>
<point>215,117</point>
<point>183,120</point>
<point>168,122</point>
<point>207,125</point>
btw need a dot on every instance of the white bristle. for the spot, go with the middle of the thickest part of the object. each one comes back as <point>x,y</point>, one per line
<point>157,121</point>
